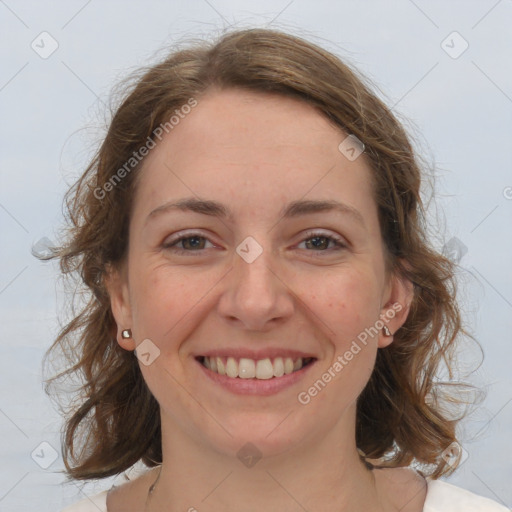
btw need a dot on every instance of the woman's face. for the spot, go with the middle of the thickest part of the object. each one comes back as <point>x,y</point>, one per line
<point>255,274</point>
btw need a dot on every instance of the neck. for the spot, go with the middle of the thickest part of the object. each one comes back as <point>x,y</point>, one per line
<point>320,474</point>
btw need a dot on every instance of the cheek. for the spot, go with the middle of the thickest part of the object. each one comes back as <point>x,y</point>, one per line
<point>347,305</point>
<point>170,302</point>
<point>348,308</point>
<point>160,298</point>
<point>347,302</point>
<point>168,305</point>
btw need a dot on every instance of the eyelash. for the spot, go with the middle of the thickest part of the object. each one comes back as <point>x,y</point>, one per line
<point>338,242</point>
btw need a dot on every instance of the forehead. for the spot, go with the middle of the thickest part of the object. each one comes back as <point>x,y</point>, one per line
<point>237,121</point>
<point>254,150</point>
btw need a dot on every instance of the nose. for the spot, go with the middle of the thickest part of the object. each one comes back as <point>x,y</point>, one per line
<point>256,295</point>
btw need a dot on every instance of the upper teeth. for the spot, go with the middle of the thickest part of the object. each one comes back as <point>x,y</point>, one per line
<point>250,369</point>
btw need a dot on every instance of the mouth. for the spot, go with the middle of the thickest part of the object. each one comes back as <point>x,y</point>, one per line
<point>263,376</point>
<point>256,369</point>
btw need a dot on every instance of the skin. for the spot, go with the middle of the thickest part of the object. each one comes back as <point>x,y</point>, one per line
<point>255,153</point>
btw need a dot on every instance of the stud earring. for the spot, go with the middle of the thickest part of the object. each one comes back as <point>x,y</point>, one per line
<point>126,334</point>
<point>386,330</point>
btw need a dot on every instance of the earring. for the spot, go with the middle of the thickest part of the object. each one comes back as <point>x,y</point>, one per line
<point>386,330</point>
<point>126,334</point>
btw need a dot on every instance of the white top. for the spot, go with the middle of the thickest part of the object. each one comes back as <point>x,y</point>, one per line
<point>441,497</point>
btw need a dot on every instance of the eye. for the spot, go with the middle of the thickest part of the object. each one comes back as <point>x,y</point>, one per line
<point>190,243</point>
<point>195,243</point>
<point>319,242</point>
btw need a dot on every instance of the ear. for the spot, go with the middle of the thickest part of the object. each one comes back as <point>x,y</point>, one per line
<point>397,304</point>
<point>116,282</point>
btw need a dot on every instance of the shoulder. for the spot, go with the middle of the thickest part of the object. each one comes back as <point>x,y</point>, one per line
<point>445,497</point>
<point>97,503</point>
<point>127,492</point>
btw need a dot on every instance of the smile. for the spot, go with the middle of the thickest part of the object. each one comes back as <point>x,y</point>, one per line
<point>261,369</point>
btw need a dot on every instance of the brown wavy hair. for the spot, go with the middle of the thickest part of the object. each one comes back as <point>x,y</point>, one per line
<point>114,421</point>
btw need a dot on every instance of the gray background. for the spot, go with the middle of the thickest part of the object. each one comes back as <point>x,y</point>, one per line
<point>457,104</point>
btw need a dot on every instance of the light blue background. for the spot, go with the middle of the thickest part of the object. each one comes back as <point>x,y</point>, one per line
<point>459,109</point>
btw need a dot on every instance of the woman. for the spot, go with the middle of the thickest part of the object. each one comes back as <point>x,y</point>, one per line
<point>267,316</point>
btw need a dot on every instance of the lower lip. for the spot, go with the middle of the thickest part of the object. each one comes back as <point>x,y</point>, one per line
<point>263,387</point>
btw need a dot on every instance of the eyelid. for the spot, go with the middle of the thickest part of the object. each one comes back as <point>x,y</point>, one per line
<point>183,235</point>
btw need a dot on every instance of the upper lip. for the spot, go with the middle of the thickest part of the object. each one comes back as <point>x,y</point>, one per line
<point>270,353</point>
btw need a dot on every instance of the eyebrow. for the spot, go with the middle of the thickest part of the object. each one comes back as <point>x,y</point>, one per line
<point>292,210</point>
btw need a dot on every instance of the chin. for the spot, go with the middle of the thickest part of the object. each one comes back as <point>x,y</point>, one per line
<point>259,434</point>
